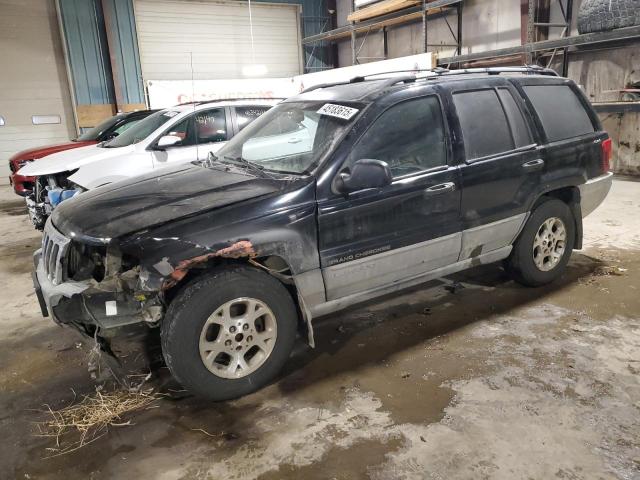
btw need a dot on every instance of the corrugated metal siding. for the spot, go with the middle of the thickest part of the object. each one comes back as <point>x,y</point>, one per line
<point>124,50</point>
<point>315,19</point>
<point>214,38</point>
<point>315,15</point>
<point>88,52</point>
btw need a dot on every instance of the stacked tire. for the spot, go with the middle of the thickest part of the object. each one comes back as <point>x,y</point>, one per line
<point>604,15</point>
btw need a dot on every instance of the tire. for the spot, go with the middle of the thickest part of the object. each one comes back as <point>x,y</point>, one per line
<point>603,15</point>
<point>186,343</point>
<point>530,263</point>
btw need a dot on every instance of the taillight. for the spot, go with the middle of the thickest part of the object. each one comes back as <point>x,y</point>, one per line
<point>606,155</point>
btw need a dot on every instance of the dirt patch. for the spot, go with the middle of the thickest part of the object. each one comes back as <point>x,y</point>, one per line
<point>13,208</point>
<point>473,376</point>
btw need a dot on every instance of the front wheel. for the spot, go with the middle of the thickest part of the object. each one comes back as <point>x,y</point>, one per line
<point>542,251</point>
<point>229,333</point>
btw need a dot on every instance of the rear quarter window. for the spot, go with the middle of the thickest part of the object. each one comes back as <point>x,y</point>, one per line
<point>562,114</point>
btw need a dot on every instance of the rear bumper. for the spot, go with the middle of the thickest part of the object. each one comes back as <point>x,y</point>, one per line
<point>593,193</point>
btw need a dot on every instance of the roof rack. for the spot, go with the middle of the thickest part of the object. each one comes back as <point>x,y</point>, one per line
<point>527,69</point>
<point>235,99</point>
<point>204,102</point>
<point>438,72</point>
<point>363,78</point>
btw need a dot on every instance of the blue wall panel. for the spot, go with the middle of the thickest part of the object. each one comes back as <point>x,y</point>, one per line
<point>86,43</point>
<point>89,52</point>
<point>123,45</point>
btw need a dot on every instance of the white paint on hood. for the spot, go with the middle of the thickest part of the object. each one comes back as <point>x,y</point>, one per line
<point>72,159</point>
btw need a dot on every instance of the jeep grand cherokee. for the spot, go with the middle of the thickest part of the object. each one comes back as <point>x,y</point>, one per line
<point>336,196</point>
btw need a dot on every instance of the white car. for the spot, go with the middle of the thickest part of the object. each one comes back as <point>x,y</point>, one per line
<point>175,135</point>
<point>298,137</point>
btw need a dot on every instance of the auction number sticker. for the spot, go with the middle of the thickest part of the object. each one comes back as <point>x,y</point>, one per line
<point>338,111</point>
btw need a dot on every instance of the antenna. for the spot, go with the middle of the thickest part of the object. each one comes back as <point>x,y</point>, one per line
<point>193,98</point>
<point>253,49</point>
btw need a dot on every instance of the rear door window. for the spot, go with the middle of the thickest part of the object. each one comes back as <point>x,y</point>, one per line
<point>562,114</point>
<point>519,128</point>
<point>246,115</point>
<point>211,126</point>
<point>484,123</point>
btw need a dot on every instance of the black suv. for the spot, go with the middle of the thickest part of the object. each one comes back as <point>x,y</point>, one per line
<point>341,194</point>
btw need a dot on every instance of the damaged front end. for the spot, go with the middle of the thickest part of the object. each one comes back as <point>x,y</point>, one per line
<point>48,192</point>
<point>91,285</point>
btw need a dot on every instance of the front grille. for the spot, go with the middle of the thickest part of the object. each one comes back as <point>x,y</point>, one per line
<point>75,260</point>
<point>54,251</point>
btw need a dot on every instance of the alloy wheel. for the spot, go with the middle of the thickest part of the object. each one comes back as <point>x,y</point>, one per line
<point>549,244</point>
<point>238,338</point>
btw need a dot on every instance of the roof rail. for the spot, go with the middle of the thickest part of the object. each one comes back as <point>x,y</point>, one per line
<point>235,99</point>
<point>204,102</point>
<point>527,69</point>
<point>438,72</point>
<point>363,78</point>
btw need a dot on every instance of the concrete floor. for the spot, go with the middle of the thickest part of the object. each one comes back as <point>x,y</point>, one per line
<point>492,381</point>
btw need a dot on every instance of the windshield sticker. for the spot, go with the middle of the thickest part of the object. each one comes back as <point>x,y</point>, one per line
<point>338,111</point>
<point>170,114</point>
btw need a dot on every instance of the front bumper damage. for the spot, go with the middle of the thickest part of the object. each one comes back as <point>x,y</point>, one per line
<point>89,305</point>
<point>38,212</point>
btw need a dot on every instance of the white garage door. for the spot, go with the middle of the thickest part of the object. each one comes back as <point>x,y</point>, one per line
<point>215,38</point>
<point>33,80</point>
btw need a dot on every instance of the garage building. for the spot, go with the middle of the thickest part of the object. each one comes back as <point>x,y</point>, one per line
<point>480,372</point>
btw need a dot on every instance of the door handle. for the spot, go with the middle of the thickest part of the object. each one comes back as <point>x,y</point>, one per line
<point>532,165</point>
<point>440,188</point>
<point>295,140</point>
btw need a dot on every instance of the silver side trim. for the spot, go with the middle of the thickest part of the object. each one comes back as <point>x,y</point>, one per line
<point>491,236</point>
<point>343,302</point>
<point>593,193</point>
<point>391,266</point>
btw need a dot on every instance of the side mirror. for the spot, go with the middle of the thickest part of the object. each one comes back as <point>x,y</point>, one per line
<point>366,173</point>
<point>168,141</point>
<point>111,136</point>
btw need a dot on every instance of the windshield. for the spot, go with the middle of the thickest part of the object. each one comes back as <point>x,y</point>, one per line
<point>290,138</point>
<point>142,129</point>
<point>96,132</point>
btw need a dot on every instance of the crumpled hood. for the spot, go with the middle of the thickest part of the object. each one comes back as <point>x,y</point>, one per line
<point>72,159</point>
<point>155,198</point>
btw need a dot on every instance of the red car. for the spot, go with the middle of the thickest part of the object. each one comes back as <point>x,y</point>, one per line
<point>104,131</point>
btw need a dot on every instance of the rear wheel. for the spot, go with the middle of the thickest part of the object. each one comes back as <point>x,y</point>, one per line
<point>229,333</point>
<point>542,251</point>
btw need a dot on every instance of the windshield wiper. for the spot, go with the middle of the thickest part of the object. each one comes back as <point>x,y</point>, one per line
<point>248,165</point>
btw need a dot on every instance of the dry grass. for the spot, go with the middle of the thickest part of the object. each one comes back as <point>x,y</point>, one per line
<point>83,422</point>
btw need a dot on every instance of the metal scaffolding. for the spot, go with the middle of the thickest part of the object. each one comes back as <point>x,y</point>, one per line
<point>535,48</point>
<point>424,12</point>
